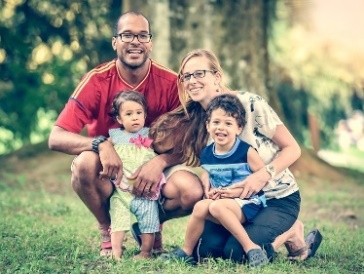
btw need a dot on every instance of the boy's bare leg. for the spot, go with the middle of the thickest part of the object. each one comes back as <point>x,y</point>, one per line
<point>196,225</point>
<point>230,215</point>
<point>117,239</point>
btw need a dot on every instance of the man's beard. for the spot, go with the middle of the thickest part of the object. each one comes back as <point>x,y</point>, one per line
<point>133,66</point>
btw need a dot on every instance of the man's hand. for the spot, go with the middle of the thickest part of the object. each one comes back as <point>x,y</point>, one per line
<point>112,166</point>
<point>147,177</point>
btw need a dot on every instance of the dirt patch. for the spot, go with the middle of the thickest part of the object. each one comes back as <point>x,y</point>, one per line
<point>37,166</point>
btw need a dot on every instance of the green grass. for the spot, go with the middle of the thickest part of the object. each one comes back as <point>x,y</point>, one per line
<point>45,232</point>
<point>351,158</point>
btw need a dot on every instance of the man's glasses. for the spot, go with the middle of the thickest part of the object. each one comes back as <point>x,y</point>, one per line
<point>129,37</point>
<point>196,74</point>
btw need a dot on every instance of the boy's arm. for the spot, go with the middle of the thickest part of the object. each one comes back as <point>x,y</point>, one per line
<point>205,183</point>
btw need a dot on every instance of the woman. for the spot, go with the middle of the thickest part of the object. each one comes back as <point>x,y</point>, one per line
<point>201,80</point>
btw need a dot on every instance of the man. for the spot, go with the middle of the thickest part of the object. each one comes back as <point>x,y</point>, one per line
<point>97,162</point>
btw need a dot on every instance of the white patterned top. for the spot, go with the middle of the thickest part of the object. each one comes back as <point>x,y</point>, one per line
<point>261,125</point>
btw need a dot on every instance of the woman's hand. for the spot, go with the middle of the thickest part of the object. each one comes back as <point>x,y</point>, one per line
<point>230,192</point>
<point>252,184</point>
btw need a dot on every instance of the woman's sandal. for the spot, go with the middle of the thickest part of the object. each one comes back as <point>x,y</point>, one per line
<point>313,241</point>
<point>257,257</point>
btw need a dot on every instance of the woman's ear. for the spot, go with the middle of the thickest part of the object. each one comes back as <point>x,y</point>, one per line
<point>217,78</point>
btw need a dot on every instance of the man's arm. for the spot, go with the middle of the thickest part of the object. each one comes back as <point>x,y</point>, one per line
<point>68,142</point>
<point>71,143</point>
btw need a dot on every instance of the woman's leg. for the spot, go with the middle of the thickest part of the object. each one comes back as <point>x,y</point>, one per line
<point>294,240</point>
<point>212,241</point>
<point>272,221</point>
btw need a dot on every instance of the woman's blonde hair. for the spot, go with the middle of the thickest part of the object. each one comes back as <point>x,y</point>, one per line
<point>214,65</point>
<point>186,124</point>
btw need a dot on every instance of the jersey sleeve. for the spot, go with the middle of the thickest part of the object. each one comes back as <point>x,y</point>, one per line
<point>81,107</point>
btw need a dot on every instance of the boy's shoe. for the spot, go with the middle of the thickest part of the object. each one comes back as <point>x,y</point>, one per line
<point>178,254</point>
<point>157,247</point>
<point>257,257</point>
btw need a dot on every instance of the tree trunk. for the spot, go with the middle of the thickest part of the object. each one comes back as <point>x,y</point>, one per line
<point>160,26</point>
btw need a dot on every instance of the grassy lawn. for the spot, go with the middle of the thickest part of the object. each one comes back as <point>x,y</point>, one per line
<point>49,230</point>
<point>349,158</point>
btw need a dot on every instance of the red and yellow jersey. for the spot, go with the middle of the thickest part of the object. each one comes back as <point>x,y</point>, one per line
<point>91,101</point>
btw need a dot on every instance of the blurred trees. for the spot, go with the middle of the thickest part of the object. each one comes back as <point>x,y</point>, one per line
<point>46,46</point>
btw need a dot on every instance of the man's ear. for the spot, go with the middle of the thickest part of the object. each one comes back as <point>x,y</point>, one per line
<point>113,43</point>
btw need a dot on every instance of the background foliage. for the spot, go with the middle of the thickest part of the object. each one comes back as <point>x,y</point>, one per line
<point>46,47</point>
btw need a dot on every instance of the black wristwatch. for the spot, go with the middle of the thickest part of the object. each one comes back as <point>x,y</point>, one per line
<point>96,141</point>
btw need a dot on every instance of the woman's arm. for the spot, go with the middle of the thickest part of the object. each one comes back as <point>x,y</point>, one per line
<point>289,153</point>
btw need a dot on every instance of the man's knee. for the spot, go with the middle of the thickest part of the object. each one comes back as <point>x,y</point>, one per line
<point>84,169</point>
<point>184,187</point>
<point>189,197</point>
<point>212,241</point>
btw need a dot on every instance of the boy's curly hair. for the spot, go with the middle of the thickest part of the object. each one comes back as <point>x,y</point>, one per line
<point>231,105</point>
